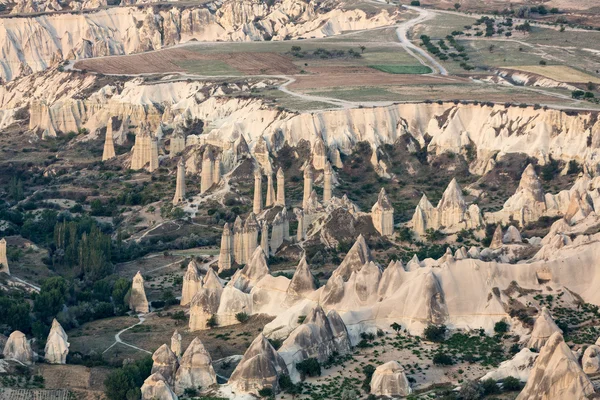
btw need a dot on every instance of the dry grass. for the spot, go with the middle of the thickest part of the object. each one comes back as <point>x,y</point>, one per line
<point>561,73</point>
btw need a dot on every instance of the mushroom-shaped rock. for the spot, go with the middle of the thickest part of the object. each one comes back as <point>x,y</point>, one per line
<point>176,344</point>
<point>390,380</point>
<point>17,347</point>
<point>302,282</point>
<point>57,346</point>
<point>137,300</point>
<point>497,238</point>
<point>512,235</point>
<point>518,367</point>
<point>260,368</point>
<point>556,374</point>
<point>191,283</point>
<point>155,387</point>
<point>358,256</point>
<point>543,328</point>
<point>165,362</point>
<point>591,360</point>
<point>195,368</point>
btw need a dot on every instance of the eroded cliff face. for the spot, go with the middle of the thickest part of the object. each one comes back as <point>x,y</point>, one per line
<point>32,44</point>
<point>69,101</point>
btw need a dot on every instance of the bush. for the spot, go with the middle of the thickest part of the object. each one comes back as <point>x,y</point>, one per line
<point>511,384</point>
<point>265,392</point>
<point>435,333</point>
<point>212,322</point>
<point>471,390</point>
<point>125,383</point>
<point>415,3</point>
<point>309,367</point>
<point>442,359</point>
<point>490,387</point>
<point>501,327</point>
<point>242,317</point>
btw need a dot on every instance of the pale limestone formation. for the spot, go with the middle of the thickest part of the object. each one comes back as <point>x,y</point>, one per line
<point>238,241</point>
<point>327,178</point>
<point>512,236</point>
<point>217,170</point>
<point>280,188</point>
<point>276,233</point>
<point>335,157</point>
<point>319,154</point>
<point>141,150</point>
<point>358,255</point>
<point>451,214</point>
<point>518,367</point>
<point>270,200</point>
<point>206,302</point>
<point>226,251</point>
<point>153,163</point>
<point>390,380</point>
<point>192,283</point>
<point>260,368</point>
<point>109,146</point>
<point>18,348</point>
<point>302,283</point>
<point>261,153</point>
<point>57,346</point>
<point>165,362</point>
<point>207,173</point>
<point>543,328</point>
<point>382,214</point>
<point>308,183</point>
<point>319,336</point>
<point>286,224</point>
<point>391,279</point>
<point>497,238</point>
<point>176,344</point>
<point>579,207</point>
<point>195,369</point>
<point>155,387</point>
<point>556,374</point>
<point>264,238</point>
<point>3,258</point>
<point>591,360</point>
<point>137,299</point>
<point>250,234</point>
<point>244,279</point>
<point>257,204</point>
<point>233,301</point>
<point>180,184</point>
<point>301,233</point>
<point>177,142</point>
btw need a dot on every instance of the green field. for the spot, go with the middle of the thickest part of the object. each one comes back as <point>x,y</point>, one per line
<point>402,69</point>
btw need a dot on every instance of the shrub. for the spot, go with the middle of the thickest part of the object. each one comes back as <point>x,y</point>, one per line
<point>442,359</point>
<point>212,322</point>
<point>415,3</point>
<point>435,333</point>
<point>501,327</point>
<point>471,390</point>
<point>265,392</point>
<point>511,384</point>
<point>309,367</point>
<point>490,387</point>
<point>242,317</point>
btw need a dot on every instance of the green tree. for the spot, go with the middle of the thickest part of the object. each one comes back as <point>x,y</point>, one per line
<point>435,333</point>
<point>124,383</point>
<point>119,292</point>
<point>309,367</point>
<point>51,298</point>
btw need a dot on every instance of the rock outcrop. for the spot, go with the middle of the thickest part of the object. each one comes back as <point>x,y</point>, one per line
<point>518,367</point>
<point>556,374</point>
<point>390,380</point>
<point>195,369</point>
<point>302,283</point>
<point>180,183</point>
<point>192,283</point>
<point>260,368</point>
<point>451,214</point>
<point>177,142</point>
<point>207,174</point>
<point>18,348</point>
<point>226,255</point>
<point>591,360</point>
<point>244,279</point>
<point>250,235</point>
<point>280,188</point>
<point>3,258</point>
<point>308,185</point>
<point>155,387</point>
<point>382,214</point>
<point>319,336</point>
<point>165,362</point>
<point>206,302</point>
<point>109,146</point>
<point>276,233</point>
<point>358,255</point>
<point>327,182</point>
<point>543,328</point>
<point>238,241</point>
<point>257,203</point>
<point>319,154</point>
<point>57,346</point>
<point>176,344</point>
<point>137,299</point>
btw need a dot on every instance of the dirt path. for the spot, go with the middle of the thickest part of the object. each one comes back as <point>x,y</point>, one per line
<point>118,337</point>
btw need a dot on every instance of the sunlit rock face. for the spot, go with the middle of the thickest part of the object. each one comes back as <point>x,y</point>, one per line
<point>195,369</point>
<point>390,380</point>
<point>57,346</point>
<point>17,347</point>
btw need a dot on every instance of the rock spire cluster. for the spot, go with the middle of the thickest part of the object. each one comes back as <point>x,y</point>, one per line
<point>145,152</point>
